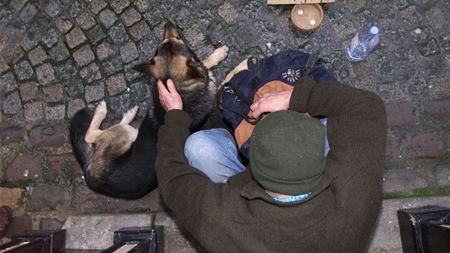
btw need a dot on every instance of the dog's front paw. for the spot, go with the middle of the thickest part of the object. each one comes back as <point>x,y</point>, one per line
<point>221,52</point>
<point>101,110</point>
<point>129,115</point>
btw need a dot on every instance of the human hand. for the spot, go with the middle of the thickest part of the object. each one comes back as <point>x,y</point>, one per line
<point>169,97</point>
<point>271,102</point>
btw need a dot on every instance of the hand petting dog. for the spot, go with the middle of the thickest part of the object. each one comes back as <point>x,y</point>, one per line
<point>169,97</point>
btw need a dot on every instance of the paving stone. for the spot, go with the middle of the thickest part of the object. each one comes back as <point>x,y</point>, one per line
<point>95,92</point>
<point>56,112</point>
<point>131,16</point>
<point>436,17</point>
<point>97,5</point>
<point>429,48</point>
<point>30,40</point>
<point>108,18</point>
<point>12,103</point>
<point>59,52</point>
<point>53,93</point>
<point>45,74</point>
<point>33,112</point>
<point>10,197</point>
<point>50,38</point>
<point>7,82</point>
<point>228,12</point>
<point>74,106</point>
<point>12,135</point>
<point>48,136</point>
<point>63,25</point>
<point>3,65</point>
<point>20,224</point>
<point>437,110</point>
<point>422,145</point>
<point>112,66</point>
<point>45,198</point>
<point>85,20</point>
<point>50,224</point>
<point>37,56</point>
<point>129,52</point>
<point>443,175</point>
<point>119,5</point>
<point>24,70</point>
<point>96,34</point>
<point>91,73</point>
<point>56,162</point>
<point>118,34</point>
<point>27,13</point>
<point>195,36</point>
<point>139,30</point>
<point>53,8</point>
<point>75,37</point>
<point>400,114</point>
<point>28,91</point>
<point>106,50</point>
<point>411,15</point>
<point>403,180</point>
<point>116,84</point>
<point>84,56</point>
<point>439,88</point>
<point>24,167</point>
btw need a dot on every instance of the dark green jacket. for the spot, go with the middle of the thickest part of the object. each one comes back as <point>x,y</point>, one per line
<point>339,215</point>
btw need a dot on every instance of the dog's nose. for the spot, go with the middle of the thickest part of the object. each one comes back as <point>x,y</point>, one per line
<point>170,31</point>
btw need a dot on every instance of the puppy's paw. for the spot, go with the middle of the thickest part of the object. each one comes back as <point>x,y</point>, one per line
<point>101,110</point>
<point>129,115</point>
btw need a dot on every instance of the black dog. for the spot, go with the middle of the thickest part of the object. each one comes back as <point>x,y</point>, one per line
<point>119,162</point>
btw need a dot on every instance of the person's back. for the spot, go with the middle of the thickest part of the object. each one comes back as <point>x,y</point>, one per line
<point>339,213</point>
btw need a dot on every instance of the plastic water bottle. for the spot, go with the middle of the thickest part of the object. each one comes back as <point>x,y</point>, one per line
<point>363,43</point>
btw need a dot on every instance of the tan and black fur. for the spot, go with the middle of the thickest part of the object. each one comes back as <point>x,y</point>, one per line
<point>119,161</point>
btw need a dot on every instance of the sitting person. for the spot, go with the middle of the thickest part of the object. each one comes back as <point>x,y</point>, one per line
<point>290,198</point>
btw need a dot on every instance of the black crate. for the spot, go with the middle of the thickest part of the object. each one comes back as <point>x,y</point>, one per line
<point>410,221</point>
<point>435,236</point>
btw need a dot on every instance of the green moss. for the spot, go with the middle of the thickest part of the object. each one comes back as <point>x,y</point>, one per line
<point>426,192</point>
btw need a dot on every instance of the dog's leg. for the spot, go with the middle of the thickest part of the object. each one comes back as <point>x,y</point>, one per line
<point>93,131</point>
<point>242,66</point>
<point>217,56</point>
<point>129,115</point>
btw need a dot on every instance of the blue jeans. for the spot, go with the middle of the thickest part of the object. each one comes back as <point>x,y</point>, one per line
<point>215,153</point>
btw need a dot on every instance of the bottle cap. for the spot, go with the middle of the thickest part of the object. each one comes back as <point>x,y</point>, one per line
<point>374,30</point>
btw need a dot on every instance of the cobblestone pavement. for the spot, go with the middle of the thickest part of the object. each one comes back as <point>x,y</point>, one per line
<point>58,56</point>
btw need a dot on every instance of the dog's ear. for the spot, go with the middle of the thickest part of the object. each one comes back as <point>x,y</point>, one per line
<point>198,70</point>
<point>145,68</point>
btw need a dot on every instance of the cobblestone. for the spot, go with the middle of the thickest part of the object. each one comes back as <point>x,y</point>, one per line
<point>57,57</point>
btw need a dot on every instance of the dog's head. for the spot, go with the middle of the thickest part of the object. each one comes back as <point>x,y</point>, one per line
<point>175,60</point>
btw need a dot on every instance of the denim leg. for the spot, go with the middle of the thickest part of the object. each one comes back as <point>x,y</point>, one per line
<point>215,153</point>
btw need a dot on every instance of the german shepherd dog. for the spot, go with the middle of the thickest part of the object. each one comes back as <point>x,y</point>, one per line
<point>119,161</point>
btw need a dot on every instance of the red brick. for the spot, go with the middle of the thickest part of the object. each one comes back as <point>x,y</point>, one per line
<point>57,161</point>
<point>45,198</point>
<point>403,180</point>
<point>12,135</point>
<point>422,145</point>
<point>437,109</point>
<point>24,167</point>
<point>48,136</point>
<point>20,224</point>
<point>400,114</point>
<point>443,175</point>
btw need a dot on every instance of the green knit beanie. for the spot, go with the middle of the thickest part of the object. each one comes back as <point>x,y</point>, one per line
<point>287,152</point>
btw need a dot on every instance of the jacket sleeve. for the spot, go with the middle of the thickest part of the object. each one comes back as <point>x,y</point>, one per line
<point>180,185</point>
<point>356,128</point>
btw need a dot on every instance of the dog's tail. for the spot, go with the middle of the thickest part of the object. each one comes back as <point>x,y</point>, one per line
<point>78,127</point>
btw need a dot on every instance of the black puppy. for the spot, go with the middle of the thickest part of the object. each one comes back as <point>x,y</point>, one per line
<point>119,161</point>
